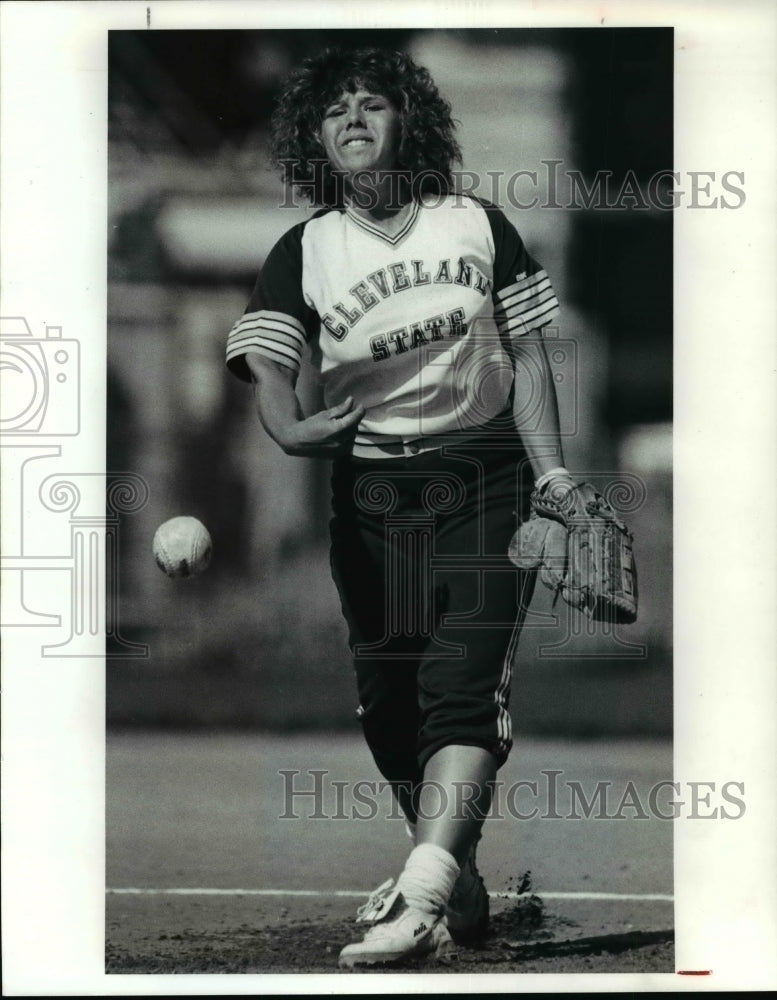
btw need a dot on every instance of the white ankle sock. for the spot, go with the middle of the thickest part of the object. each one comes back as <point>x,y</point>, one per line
<point>428,877</point>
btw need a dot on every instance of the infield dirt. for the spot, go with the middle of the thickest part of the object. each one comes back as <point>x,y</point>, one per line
<point>244,934</point>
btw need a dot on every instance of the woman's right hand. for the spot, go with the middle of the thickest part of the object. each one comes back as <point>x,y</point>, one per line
<point>325,434</point>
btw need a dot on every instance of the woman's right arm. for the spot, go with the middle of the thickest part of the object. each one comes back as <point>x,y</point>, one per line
<point>323,435</point>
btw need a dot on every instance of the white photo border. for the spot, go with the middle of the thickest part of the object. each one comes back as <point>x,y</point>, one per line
<point>54,154</point>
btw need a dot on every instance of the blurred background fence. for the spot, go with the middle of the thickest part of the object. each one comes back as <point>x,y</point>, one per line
<point>193,211</point>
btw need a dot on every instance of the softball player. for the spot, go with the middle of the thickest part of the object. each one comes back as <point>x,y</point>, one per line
<point>416,306</point>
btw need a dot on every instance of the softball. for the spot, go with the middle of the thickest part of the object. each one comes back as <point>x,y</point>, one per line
<point>182,546</point>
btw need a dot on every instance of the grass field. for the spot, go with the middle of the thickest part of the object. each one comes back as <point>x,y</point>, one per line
<point>215,866</point>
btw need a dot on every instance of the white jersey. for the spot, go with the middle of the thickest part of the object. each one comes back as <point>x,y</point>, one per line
<point>413,325</point>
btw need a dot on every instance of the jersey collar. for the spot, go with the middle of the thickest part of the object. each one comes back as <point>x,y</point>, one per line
<point>375,230</point>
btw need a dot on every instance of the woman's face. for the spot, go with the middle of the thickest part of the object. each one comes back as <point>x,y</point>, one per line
<point>361,131</point>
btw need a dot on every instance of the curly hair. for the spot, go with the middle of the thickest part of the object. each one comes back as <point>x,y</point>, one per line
<point>428,150</point>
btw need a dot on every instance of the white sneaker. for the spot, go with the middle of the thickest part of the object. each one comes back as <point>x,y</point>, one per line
<point>400,933</point>
<point>467,912</point>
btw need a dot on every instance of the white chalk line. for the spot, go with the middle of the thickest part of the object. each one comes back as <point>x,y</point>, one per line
<point>647,897</point>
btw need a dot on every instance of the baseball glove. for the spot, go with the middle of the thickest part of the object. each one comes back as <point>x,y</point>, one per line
<point>582,549</point>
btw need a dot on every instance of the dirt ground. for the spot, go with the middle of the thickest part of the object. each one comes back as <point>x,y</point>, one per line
<point>243,934</point>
